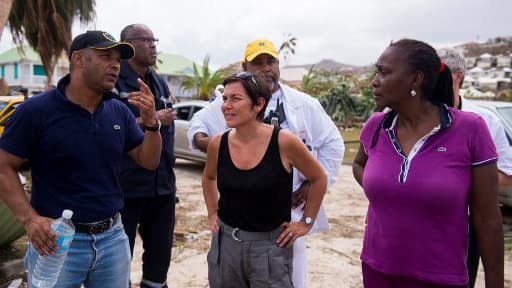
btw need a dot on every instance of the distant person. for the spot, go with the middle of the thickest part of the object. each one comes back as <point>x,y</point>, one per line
<point>49,87</point>
<point>292,110</point>
<point>4,87</point>
<point>150,196</point>
<point>75,138</point>
<point>250,168</point>
<point>455,62</point>
<point>172,98</point>
<point>421,165</point>
<point>24,92</point>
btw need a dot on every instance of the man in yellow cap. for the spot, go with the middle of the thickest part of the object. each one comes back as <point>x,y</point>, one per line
<point>301,114</point>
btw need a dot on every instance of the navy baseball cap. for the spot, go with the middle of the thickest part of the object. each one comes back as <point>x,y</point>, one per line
<point>101,40</point>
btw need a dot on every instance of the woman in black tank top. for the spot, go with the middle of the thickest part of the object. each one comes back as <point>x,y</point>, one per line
<point>247,185</point>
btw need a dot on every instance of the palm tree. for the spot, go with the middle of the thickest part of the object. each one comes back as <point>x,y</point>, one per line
<point>366,106</point>
<point>288,46</point>
<point>203,80</point>
<point>309,80</point>
<point>46,25</point>
<point>339,102</point>
<point>5,9</point>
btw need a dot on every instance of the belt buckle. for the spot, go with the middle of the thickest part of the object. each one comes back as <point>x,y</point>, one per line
<point>94,229</point>
<point>233,234</point>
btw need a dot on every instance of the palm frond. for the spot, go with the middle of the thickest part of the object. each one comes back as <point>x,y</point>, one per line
<point>46,26</point>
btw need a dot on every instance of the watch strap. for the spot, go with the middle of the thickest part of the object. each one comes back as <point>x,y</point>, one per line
<point>154,128</point>
<point>307,220</point>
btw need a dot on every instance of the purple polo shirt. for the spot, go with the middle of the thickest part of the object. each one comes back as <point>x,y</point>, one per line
<point>418,204</point>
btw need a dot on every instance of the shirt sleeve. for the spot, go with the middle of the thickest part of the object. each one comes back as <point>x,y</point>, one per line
<point>502,146</point>
<point>20,132</point>
<point>209,120</point>
<point>327,141</point>
<point>483,150</point>
<point>196,125</point>
<point>134,134</point>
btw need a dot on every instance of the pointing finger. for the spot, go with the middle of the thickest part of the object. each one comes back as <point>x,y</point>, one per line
<point>143,87</point>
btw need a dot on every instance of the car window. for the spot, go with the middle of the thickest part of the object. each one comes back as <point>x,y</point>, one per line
<point>195,110</point>
<point>183,113</point>
<point>4,122</point>
<point>506,112</point>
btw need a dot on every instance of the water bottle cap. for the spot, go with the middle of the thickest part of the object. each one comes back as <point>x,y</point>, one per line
<point>67,214</point>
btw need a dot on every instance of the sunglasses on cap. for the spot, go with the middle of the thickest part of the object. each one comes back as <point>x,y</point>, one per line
<point>247,75</point>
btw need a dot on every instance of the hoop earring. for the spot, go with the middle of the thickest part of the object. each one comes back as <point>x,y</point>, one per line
<point>413,92</point>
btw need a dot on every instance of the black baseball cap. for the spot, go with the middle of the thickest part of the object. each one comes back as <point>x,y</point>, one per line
<point>101,40</point>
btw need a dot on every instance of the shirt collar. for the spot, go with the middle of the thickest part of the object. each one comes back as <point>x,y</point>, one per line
<point>64,81</point>
<point>445,118</point>
<point>128,73</point>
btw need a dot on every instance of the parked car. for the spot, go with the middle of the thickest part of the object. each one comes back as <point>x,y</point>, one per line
<point>7,106</point>
<point>502,110</point>
<point>184,112</point>
<point>10,228</point>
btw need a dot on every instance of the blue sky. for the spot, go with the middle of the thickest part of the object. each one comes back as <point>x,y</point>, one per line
<point>353,32</point>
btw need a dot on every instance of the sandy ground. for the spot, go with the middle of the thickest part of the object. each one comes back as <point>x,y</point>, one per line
<point>333,257</point>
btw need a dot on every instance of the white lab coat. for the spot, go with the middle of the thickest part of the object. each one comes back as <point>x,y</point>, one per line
<point>208,120</point>
<point>498,135</point>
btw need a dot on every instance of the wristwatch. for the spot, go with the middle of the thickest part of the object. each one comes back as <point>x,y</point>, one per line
<point>155,127</point>
<point>307,220</point>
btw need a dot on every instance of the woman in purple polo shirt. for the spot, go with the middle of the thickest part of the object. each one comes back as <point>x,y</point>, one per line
<point>421,166</point>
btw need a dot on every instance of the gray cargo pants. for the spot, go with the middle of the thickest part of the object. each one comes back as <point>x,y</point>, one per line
<point>240,259</point>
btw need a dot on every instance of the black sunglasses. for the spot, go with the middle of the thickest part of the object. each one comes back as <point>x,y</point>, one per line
<point>247,75</point>
<point>145,40</point>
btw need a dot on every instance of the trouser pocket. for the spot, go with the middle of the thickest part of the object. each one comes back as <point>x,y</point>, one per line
<point>213,259</point>
<point>214,253</point>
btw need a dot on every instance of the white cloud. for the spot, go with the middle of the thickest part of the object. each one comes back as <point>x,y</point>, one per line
<point>353,32</point>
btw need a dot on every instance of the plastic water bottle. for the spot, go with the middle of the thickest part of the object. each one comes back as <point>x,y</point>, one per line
<point>47,268</point>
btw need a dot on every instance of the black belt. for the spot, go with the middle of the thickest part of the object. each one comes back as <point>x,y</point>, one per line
<point>243,235</point>
<point>96,227</point>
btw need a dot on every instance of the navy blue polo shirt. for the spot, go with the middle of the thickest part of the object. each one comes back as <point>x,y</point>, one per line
<point>136,181</point>
<point>75,155</point>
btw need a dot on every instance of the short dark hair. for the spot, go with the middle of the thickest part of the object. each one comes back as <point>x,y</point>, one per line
<point>125,31</point>
<point>437,84</point>
<point>128,30</point>
<point>254,86</point>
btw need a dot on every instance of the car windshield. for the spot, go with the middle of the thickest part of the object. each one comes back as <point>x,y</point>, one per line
<point>2,105</point>
<point>506,113</point>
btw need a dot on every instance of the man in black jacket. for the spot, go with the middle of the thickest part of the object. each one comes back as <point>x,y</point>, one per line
<point>150,196</point>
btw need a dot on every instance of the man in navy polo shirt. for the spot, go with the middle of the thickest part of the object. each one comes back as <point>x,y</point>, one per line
<point>75,138</point>
<point>150,196</point>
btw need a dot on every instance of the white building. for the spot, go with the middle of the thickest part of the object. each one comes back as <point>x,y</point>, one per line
<point>26,70</point>
<point>503,61</point>
<point>485,61</point>
<point>293,75</point>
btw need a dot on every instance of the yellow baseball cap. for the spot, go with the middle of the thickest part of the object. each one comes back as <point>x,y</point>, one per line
<point>258,47</point>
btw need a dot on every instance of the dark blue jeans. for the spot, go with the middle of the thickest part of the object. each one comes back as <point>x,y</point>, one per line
<point>155,217</point>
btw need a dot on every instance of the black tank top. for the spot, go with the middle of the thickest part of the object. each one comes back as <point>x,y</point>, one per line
<point>258,199</point>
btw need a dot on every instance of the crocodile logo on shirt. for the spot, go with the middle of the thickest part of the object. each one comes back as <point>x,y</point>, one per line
<point>441,149</point>
<point>117,127</point>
